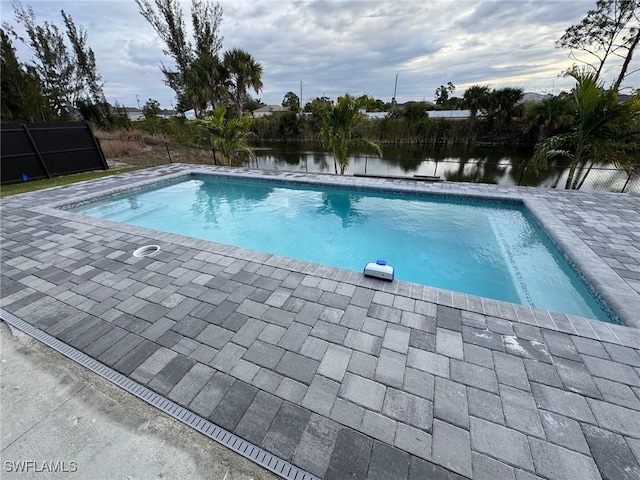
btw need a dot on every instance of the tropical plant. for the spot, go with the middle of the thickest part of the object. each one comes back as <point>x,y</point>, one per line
<point>605,130</point>
<point>339,127</point>
<point>551,116</point>
<point>243,73</point>
<point>476,98</point>
<point>229,136</point>
<point>502,106</point>
<point>206,85</point>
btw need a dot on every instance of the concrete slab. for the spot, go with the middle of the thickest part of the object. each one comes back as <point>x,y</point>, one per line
<point>54,410</point>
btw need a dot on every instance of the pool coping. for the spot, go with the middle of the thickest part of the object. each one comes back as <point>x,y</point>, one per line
<point>604,282</point>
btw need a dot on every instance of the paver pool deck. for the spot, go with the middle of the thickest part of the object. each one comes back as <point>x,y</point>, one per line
<point>341,375</point>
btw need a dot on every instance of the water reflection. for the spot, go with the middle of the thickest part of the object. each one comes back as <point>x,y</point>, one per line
<point>342,205</point>
<point>502,166</point>
<point>211,198</point>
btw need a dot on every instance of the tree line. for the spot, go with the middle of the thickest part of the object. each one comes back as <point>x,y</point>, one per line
<point>589,125</point>
<point>61,82</point>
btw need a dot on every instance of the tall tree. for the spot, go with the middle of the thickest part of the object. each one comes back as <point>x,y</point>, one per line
<point>443,92</point>
<point>20,88</point>
<point>244,72</point>
<point>67,73</point>
<point>338,131</point>
<point>292,101</point>
<point>605,130</point>
<point>167,19</point>
<point>612,29</point>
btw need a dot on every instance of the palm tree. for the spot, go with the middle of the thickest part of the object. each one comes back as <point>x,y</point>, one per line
<point>243,73</point>
<point>338,130</point>
<point>476,98</point>
<point>229,136</point>
<point>205,84</point>
<point>502,105</point>
<point>550,116</point>
<point>605,130</point>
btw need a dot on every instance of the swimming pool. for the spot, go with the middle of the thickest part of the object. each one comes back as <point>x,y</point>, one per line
<point>483,248</point>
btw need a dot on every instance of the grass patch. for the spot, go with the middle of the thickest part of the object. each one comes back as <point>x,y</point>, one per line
<point>34,185</point>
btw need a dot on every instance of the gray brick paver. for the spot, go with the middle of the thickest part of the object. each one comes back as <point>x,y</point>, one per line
<point>313,453</point>
<point>255,422</point>
<point>564,432</point>
<point>390,368</point>
<point>558,463</point>
<point>511,371</point>
<point>520,411</point>
<point>362,391</point>
<point>486,468</point>
<point>171,374</point>
<point>568,404</point>
<point>350,456</point>
<point>576,378</point>
<point>612,370</point>
<point>321,395</point>
<point>407,408</point>
<point>616,418</point>
<point>334,362</point>
<point>388,463</point>
<point>233,406</point>
<point>428,362</point>
<point>451,447</point>
<point>611,453</point>
<point>450,402</point>
<point>187,388</point>
<point>378,426</point>
<point>473,375</point>
<point>297,367</point>
<point>286,430</point>
<point>500,442</point>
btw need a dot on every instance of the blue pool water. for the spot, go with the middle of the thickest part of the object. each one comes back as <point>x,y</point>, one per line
<point>489,249</point>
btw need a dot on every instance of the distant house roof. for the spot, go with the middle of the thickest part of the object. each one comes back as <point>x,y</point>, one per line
<point>534,97</point>
<point>271,109</point>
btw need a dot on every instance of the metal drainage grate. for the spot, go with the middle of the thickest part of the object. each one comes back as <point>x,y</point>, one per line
<point>146,251</point>
<point>229,440</point>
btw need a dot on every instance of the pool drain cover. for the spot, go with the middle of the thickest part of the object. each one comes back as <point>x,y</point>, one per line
<point>146,251</point>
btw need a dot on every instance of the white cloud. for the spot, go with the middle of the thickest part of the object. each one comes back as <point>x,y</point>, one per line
<point>336,46</point>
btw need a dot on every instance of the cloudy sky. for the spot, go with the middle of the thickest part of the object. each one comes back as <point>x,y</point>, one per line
<point>334,47</point>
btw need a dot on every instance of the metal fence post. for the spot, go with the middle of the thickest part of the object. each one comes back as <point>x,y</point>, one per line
<point>627,182</point>
<point>524,169</point>
<point>35,149</point>
<point>366,161</point>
